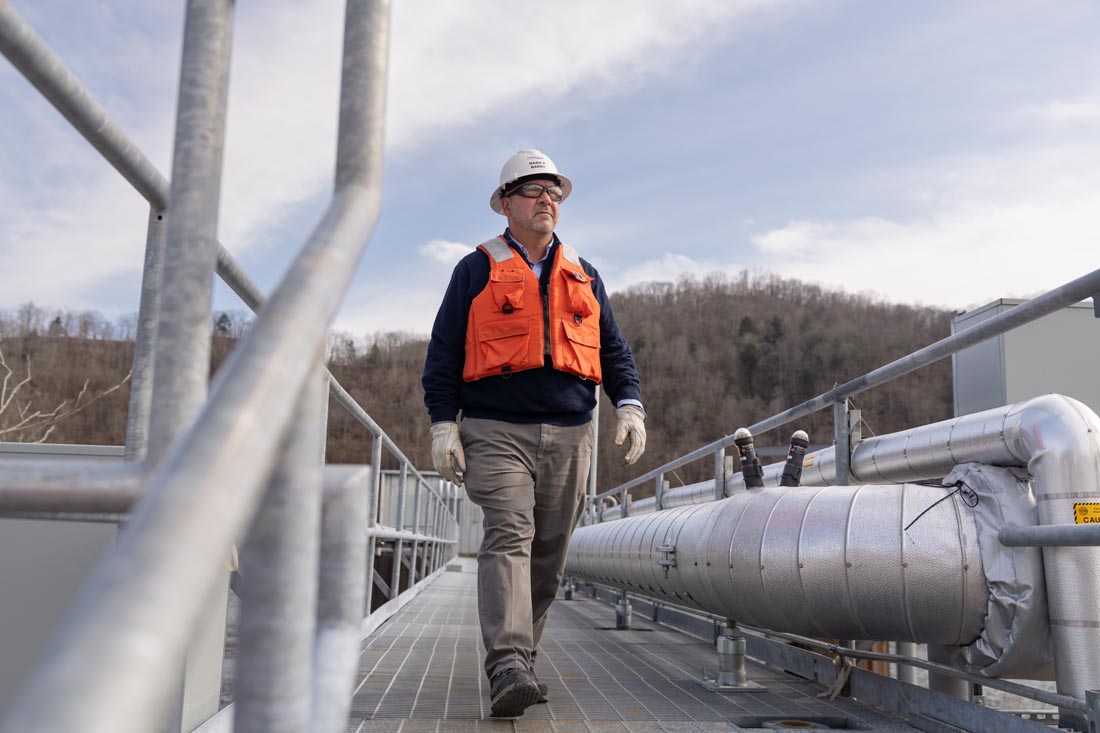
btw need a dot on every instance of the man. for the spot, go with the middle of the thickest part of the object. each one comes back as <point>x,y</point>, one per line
<point>524,335</point>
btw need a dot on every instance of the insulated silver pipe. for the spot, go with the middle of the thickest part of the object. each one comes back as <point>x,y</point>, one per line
<point>829,561</point>
<point>1056,438</point>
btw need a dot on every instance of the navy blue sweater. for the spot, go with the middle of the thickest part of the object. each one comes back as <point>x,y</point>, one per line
<point>543,395</point>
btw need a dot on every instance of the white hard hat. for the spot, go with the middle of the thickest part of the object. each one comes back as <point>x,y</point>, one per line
<point>528,163</point>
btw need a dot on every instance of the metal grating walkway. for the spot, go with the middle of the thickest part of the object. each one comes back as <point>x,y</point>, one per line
<point>421,672</point>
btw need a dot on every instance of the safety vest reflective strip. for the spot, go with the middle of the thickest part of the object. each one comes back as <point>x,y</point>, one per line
<point>505,331</point>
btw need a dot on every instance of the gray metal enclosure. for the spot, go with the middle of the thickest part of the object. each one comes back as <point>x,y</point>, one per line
<point>1052,354</point>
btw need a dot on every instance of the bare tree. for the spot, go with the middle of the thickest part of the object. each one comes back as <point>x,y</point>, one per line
<point>20,422</point>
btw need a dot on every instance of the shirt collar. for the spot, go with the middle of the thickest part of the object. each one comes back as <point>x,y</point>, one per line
<point>523,250</point>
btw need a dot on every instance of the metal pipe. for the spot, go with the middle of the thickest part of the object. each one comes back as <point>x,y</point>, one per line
<point>1056,535</point>
<point>918,454</point>
<point>389,533</point>
<point>950,685</point>
<point>832,561</point>
<point>341,591</point>
<point>141,374</point>
<point>278,587</point>
<point>140,604</point>
<point>182,362</point>
<point>75,487</point>
<point>906,673</point>
<point>1031,693</point>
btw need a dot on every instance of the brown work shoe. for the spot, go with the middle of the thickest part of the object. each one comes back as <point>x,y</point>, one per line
<point>512,691</point>
<point>544,692</point>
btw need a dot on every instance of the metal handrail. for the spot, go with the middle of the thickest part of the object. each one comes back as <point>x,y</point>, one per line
<point>28,52</point>
<point>1031,310</point>
<point>143,600</point>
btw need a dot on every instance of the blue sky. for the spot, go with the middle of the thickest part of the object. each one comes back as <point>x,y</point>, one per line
<point>937,152</point>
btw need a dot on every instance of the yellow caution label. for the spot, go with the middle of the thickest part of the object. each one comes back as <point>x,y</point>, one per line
<point>808,462</point>
<point>1086,512</point>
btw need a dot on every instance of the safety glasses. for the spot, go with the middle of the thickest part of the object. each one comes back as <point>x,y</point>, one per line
<point>534,190</point>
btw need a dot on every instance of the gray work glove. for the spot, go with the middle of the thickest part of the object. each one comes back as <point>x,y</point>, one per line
<point>447,453</point>
<point>631,422</point>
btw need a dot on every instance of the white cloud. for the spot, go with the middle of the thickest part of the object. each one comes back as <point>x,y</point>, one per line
<point>443,252</point>
<point>453,65</point>
<point>457,63</point>
<point>668,268</point>
<point>1084,109</point>
<point>958,256</point>
<point>391,306</point>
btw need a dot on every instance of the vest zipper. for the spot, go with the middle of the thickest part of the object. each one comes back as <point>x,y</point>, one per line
<point>546,323</point>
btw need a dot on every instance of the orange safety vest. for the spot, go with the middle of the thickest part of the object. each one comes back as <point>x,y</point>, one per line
<point>505,332</point>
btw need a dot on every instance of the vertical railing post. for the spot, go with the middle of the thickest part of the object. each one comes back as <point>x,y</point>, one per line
<point>433,531</point>
<point>142,373</point>
<point>594,465</point>
<point>843,448</point>
<point>413,562</point>
<point>399,524</point>
<point>719,474</point>
<point>372,513</point>
<point>182,331</point>
<point>624,504</point>
<point>659,492</point>
<point>460,512</point>
<point>182,362</point>
<point>456,524</point>
<point>279,563</point>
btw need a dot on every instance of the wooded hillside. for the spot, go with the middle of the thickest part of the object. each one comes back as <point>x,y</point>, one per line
<point>713,354</point>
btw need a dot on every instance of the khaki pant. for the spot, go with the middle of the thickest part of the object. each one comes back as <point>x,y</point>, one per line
<point>530,481</point>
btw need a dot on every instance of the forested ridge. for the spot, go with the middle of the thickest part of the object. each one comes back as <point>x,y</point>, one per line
<point>713,355</point>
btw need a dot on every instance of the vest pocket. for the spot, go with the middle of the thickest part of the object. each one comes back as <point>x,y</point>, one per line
<point>503,343</point>
<point>578,293</point>
<point>581,346</point>
<point>507,289</point>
